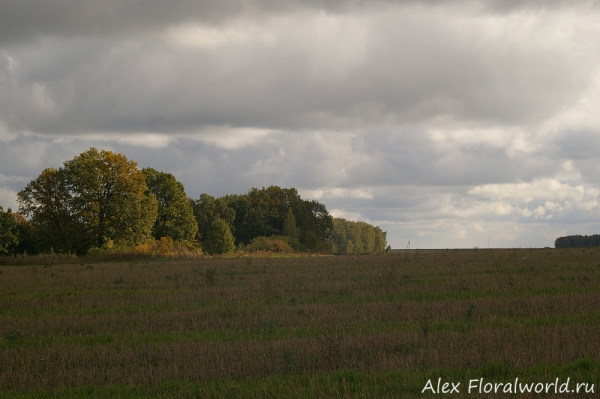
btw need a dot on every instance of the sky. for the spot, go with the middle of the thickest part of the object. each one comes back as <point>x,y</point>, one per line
<point>449,124</point>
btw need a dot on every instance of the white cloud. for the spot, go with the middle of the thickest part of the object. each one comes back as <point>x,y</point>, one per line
<point>512,141</point>
<point>8,198</point>
<point>149,140</point>
<point>331,44</point>
<point>359,193</point>
<point>580,114</point>
<point>232,138</point>
<point>197,36</point>
<point>353,216</point>
<point>540,189</point>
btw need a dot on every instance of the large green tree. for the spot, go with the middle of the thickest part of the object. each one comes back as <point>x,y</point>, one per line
<point>219,239</point>
<point>47,202</point>
<point>271,211</point>
<point>207,209</point>
<point>315,224</point>
<point>96,198</point>
<point>175,214</point>
<point>9,233</point>
<point>242,230</point>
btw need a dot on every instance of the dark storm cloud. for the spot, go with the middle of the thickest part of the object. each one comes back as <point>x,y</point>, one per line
<point>22,20</point>
<point>406,68</point>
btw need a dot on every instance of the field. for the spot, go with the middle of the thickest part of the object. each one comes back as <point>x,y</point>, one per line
<point>302,327</point>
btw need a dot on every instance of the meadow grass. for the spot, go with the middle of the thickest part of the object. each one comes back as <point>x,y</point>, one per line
<point>298,327</point>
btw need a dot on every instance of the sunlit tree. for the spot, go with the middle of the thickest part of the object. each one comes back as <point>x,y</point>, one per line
<point>175,217</point>
<point>96,198</point>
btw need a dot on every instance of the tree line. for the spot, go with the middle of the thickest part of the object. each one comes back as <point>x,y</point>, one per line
<point>101,201</point>
<point>577,241</point>
<point>350,237</point>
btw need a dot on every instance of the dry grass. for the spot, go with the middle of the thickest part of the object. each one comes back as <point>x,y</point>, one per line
<point>289,322</point>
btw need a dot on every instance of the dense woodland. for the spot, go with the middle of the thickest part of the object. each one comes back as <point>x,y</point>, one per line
<point>578,241</point>
<point>100,201</point>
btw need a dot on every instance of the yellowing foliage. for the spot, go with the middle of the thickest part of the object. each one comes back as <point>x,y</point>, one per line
<point>165,247</point>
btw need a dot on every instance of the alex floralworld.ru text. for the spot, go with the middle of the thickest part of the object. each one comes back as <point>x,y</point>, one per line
<point>481,386</point>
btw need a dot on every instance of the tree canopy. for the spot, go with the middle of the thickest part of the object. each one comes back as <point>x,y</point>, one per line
<point>263,212</point>
<point>46,202</point>
<point>100,200</point>
<point>219,239</point>
<point>95,198</point>
<point>577,241</point>
<point>175,217</point>
<point>207,209</point>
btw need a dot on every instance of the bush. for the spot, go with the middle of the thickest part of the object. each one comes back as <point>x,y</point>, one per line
<point>270,244</point>
<point>166,246</point>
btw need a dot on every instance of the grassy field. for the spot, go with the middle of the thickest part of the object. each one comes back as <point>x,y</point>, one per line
<point>303,327</point>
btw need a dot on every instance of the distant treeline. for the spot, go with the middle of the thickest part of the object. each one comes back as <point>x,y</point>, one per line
<point>357,238</point>
<point>101,201</point>
<point>577,241</point>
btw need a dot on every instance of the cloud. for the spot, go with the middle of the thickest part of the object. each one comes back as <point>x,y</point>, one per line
<point>26,20</point>
<point>304,70</point>
<point>8,199</point>
<point>511,141</point>
<point>233,138</point>
<point>195,36</point>
<point>444,122</point>
<point>528,192</point>
<point>5,135</point>
<point>353,216</point>
<point>150,140</point>
<point>340,193</point>
<point>7,195</point>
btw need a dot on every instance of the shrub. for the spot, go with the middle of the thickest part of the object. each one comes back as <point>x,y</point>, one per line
<point>269,244</point>
<point>166,246</point>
